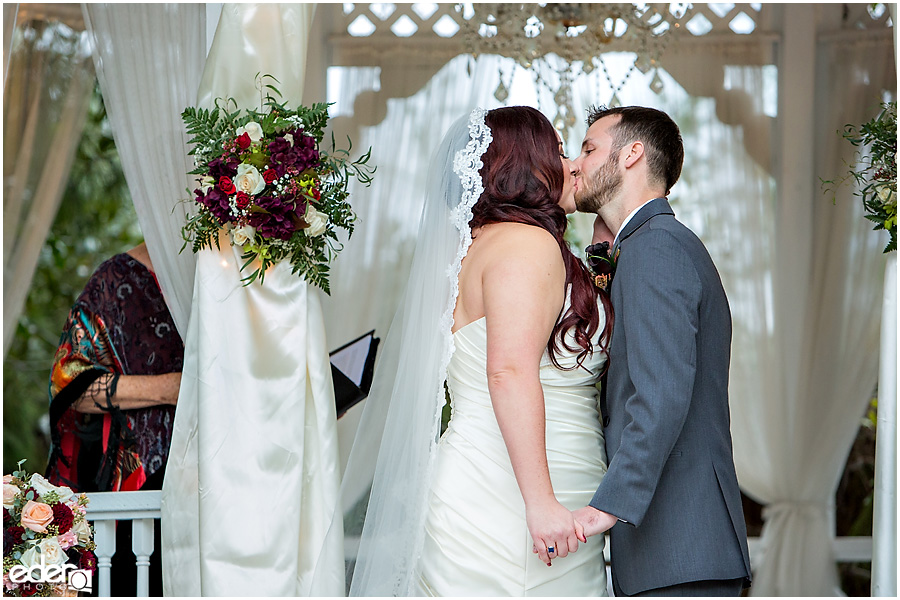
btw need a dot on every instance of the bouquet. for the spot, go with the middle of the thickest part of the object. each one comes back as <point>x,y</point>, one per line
<point>875,172</point>
<point>48,546</point>
<point>265,178</point>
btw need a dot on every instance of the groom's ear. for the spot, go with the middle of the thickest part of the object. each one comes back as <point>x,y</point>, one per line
<point>635,150</point>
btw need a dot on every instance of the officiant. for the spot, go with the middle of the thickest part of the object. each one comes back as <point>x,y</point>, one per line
<point>113,389</point>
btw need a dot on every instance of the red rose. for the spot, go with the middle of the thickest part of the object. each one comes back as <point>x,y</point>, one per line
<point>226,185</point>
<point>243,199</point>
<point>243,141</point>
<point>316,194</point>
<point>269,175</point>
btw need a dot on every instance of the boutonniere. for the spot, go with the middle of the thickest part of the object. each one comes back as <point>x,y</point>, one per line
<point>601,264</point>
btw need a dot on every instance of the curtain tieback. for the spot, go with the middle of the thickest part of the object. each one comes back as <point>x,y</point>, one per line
<point>780,507</point>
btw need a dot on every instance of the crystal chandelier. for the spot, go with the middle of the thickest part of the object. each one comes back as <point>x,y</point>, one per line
<point>578,35</point>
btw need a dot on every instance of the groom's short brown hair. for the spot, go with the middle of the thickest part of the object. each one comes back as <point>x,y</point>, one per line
<point>658,132</point>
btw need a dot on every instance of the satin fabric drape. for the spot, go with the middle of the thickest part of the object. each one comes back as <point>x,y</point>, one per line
<point>253,478</point>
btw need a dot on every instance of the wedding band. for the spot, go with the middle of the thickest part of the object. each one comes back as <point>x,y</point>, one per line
<point>550,549</point>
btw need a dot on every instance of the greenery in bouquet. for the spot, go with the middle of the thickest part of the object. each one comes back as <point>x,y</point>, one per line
<point>46,536</point>
<point>266,179</point>
<point>875,172</point>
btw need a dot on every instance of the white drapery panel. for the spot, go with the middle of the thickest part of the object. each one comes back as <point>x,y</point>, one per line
<point>793,428</point>
<point>256,406</point>
<point>9,24</point>
<point>149,58</point>
<point>45,103</point>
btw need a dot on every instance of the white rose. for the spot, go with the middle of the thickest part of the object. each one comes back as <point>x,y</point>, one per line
<point>9,495</point>
<point>42,486</point>
<point>242,235</point>
<point>31,557</point>
<point>316,220</point>
<point>253,129</point>
<point>249,180</point>
<point>887,197</point>
<point>82,531</point>
<point>207,183</point>
<point>53,552</point>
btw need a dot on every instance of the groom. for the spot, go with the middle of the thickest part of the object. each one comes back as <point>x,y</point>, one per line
<point>670,497</point>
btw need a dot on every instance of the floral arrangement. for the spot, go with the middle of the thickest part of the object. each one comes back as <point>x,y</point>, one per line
<point>875,173</point>
<point>601,264</point>
<point>46,536</point>
<point>265,178</point>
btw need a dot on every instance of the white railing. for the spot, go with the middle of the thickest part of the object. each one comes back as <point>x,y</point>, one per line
<point>142,508</point>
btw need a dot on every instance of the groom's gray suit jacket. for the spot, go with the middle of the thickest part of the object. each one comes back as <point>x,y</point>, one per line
<point>671,474</point>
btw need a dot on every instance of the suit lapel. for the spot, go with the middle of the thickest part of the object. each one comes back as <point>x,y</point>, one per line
<point>657,206</point>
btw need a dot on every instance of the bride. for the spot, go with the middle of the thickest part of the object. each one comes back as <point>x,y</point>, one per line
<point>499,308</point>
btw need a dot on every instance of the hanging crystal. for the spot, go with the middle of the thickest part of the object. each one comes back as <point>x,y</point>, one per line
<point>643,63</point>
<point>501,93</point>
<point>570,120</point>
<point>588,66</point>
<point>657,84</point>
<point>560,121</point>
<point>614,101</point>
<point>561,96</point>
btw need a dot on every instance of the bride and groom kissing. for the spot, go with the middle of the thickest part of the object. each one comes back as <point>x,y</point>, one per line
<point>501,316</point>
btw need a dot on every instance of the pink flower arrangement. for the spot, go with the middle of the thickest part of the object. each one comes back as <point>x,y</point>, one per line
<point>43,524</point>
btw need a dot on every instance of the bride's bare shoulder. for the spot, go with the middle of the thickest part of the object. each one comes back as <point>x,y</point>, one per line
<point>519,234</point>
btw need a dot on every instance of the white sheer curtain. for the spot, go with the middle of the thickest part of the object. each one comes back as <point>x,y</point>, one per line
<point>9,24</point>
<point>370,274</point>
<point>45,103</point>
<point>793,428</point>
<point>149,59</point>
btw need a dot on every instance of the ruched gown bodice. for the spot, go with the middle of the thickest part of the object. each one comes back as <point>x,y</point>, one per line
<point>477,542</point>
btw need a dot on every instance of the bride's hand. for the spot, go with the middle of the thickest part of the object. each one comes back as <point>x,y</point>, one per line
<point>552,525</point>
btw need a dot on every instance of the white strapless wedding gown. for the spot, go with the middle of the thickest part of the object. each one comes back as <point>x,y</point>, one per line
<point>476,540</point>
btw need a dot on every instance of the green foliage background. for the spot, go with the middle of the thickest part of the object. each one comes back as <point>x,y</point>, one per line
<point>96,220</point>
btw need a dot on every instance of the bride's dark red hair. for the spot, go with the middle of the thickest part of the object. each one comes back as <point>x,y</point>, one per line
<point>523,181</point>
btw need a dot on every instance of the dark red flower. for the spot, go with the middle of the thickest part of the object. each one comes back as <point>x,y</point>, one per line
<point>12,536</point>
<point>269,175</point>
<point>217,203</point>
<point>243,199</point>
<point>243,141</point>
<point>28,588</point>
<point>223,167</point>
<point>88,561</point>
<point>7,518</point>
<point>62,517</point>
<point>316,193</point>
<point>226,185</point>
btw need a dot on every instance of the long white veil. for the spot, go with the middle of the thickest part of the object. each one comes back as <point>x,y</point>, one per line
<point>401,420</point>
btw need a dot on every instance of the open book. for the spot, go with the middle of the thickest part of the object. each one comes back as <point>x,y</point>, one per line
<point>352,366</point>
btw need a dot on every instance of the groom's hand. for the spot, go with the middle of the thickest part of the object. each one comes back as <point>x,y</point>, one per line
<point>594,521</point>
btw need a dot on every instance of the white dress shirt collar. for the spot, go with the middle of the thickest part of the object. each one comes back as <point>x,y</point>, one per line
<point>628,218</point>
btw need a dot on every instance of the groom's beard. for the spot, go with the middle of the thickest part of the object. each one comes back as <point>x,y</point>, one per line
<point>600,187</point>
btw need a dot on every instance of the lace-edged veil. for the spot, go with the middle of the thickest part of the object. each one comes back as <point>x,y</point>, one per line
<point>401,421</point>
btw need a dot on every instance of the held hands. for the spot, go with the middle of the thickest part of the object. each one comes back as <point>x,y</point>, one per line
<point>593,520</point>
<point>553,526</point>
